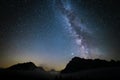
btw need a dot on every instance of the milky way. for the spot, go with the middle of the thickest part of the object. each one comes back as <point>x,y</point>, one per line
<point>80,33</point>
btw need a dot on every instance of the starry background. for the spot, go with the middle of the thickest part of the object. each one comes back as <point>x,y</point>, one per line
<point>38,31</point>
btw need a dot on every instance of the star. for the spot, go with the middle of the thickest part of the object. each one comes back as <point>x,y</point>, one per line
<point>72,54</point>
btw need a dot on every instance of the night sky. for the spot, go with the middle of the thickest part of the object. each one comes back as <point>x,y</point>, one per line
<point>51,32</point>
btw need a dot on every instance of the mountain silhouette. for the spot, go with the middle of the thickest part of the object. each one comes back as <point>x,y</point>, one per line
<point>23,66</point>
<point>77,64</point>
<point>76,69</point>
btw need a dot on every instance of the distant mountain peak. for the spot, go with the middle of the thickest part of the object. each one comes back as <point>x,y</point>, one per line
<point>23,66</point>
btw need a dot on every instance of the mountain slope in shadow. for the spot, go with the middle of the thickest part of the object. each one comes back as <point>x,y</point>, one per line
<point>78,64</point>
<point>25,71</point>
<point>88,69</point>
